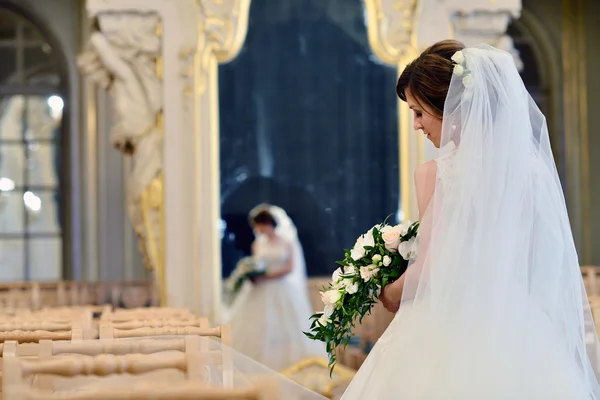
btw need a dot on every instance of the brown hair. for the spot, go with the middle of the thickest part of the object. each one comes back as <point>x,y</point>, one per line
<point>428,77</point>
<point>264,218</point>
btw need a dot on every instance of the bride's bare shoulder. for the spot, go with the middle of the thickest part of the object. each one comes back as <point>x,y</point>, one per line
<point>426,171</point>
<point>425,184</point>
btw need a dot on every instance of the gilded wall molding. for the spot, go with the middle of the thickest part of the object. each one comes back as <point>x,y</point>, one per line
<point>222,28</point>
<point>390,29</point>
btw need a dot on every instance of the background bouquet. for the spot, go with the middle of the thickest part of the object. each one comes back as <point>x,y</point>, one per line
<point>379,257</point>
<point>246,269</point>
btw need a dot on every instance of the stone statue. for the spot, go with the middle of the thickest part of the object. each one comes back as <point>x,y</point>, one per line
<point>121,57</point>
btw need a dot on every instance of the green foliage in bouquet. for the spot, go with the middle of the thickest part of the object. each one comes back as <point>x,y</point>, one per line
<point>246,269</point>
<point>378,258</point>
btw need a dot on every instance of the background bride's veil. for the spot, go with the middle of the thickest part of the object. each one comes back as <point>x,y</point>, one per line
<point>497,270</point>
<point>287,230</point>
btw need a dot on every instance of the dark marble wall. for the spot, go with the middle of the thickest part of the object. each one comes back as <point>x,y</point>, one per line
<point>309,123</point>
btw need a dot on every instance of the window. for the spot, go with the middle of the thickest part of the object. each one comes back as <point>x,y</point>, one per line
<point>31,185</point>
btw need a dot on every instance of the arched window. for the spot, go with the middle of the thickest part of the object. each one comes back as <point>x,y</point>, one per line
<point>31,144</point>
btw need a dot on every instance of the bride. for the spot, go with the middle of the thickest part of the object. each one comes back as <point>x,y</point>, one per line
<point>494,306</point>
<point>269,316</point>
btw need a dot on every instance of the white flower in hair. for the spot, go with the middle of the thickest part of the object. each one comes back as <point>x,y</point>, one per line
<point>467,80</point>
<point>458,57</point>
<point>458,70</point>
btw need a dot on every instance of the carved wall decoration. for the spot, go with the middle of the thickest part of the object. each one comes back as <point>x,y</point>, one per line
<point>166,107</point>
<point>390,28</point>
<point>122,56</point>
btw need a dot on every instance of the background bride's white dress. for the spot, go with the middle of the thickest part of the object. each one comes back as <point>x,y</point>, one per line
<point>268,318</point>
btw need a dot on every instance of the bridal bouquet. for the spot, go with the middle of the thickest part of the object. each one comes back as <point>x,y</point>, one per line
<point>379,257</point>
<point>246,269</point>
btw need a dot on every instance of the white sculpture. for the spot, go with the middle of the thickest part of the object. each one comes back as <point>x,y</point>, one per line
<point>121,56</point>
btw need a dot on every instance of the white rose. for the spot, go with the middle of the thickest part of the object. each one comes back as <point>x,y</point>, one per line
<point>336,276</point>
<point>467,80</point>
<point>458,57</point>
<point>328,312</point>
<point>391,237</point>
<point>358,251</point>
<point>366,273</point>
<point>350,270</point>
<point>323,321</point>
<point>403,228</point>
<point>387,260</point>
<point>331,297</point>
<point>458,70</point>
<point>369,239</point>
<point>408,249</point>
<point>376,258</point>
<point>351,288</point>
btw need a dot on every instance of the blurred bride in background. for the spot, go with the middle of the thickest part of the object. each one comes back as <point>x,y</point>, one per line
<point>269,316</point>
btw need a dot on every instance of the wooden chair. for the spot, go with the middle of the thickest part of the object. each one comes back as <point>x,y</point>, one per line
<point>18,373</point>
<point>188,391</point>
<point>107,327</point>
<point>222,356</point>
<point>122,315</point>
<point>49,350</point>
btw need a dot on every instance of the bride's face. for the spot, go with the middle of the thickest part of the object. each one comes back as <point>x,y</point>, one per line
<point>264,229</point>
<point>425,120</point>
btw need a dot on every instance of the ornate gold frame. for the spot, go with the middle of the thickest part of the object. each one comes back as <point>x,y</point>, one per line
<point>391,37</point>
<point>343,373</point>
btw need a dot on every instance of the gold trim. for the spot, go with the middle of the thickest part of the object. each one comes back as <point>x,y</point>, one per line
<point>404,153</point>
<point>152,199</point>
<point>345,374</point>
<point>222,29</point>
<point>92,272</point>
<point>396,47</point>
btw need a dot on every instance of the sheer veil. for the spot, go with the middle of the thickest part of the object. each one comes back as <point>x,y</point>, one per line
<point>288,232</point>
<point>497,268</point>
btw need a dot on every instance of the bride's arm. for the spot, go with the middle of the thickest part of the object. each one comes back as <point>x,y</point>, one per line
<point>425,177</point>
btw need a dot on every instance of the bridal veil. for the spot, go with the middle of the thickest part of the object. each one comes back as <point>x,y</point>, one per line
<point>497,278</point>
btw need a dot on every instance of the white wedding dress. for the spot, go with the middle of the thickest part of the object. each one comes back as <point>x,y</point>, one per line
<point>268,319</point>
<point>493,307</point>
<point>451,358</point>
